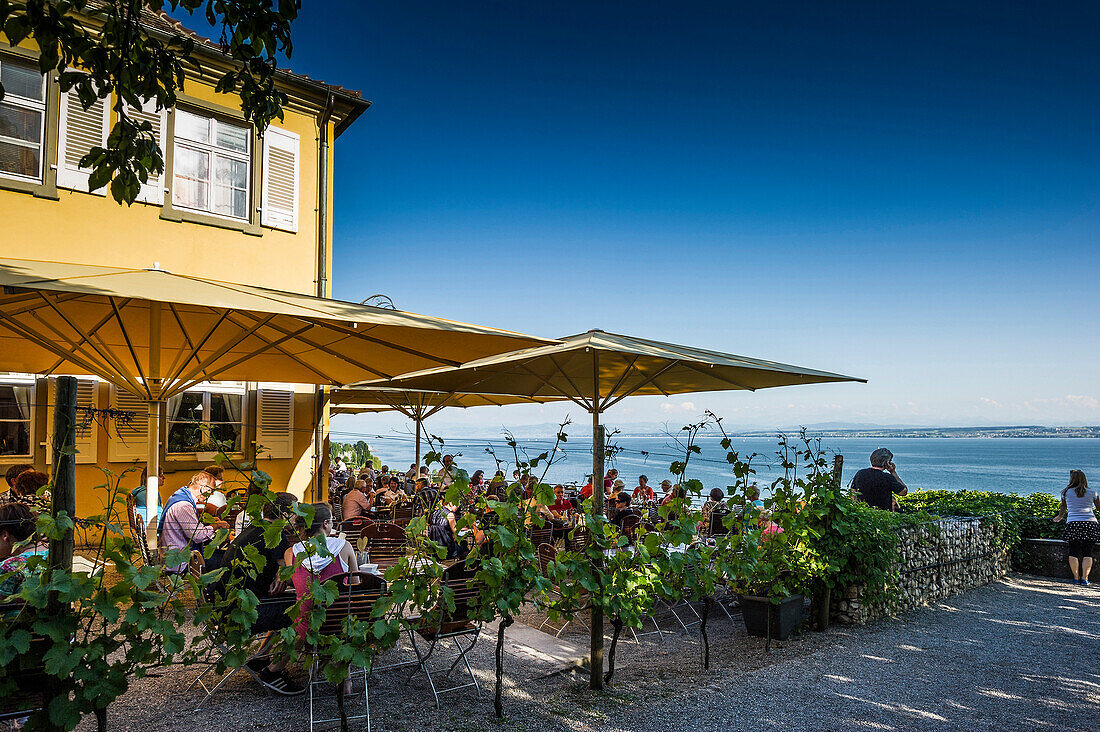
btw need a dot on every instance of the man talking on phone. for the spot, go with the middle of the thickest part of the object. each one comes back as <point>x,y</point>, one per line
<point>877,485</point>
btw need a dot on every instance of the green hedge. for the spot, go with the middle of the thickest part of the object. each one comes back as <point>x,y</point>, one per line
<point>1023,517</point>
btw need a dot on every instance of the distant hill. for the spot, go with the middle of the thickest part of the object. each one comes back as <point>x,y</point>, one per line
<point>825,429</point>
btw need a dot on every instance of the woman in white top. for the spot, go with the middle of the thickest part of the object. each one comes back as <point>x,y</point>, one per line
<point>311,564</point>
<point>1082,528</point>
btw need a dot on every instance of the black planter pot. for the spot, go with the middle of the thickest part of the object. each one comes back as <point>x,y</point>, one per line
<point>785,617</point>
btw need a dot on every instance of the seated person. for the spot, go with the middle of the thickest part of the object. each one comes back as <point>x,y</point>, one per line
<point>180,525</point>
<point>622,509</point>
<point>357,502</point>
<point>17,545</point>
<point>673,493</point>
<point>443,530</point>
<point>713,510</point>
<point>586,491</point>
<point>216,472</point>
<point>533,508</point>
<point>9,476</point>
<point>271,612</point>
<point>769,527</point>
<point>26,487</point>
<point>425,497</point>
<point>643,493</point>
<point>243,520</point>
<point>309,564</point>
<point>562,506</point>
<point>139,492</point>
<point>391,495</point>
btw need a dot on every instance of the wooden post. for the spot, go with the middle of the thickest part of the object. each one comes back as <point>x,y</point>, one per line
<point>838,470</point>
<point>63,493</point>
<point>595,661</point>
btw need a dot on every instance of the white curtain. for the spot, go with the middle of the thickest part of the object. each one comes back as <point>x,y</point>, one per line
<point>23,400</point>
<point>233,404</point>
<point>174,405</point>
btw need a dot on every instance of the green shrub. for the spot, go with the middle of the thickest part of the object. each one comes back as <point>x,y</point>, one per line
<point>1016,517</point>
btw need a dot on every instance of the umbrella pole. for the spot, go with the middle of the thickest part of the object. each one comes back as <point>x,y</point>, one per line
<point>152,463</point>
<point>417,421</point>
<point>156,409</point>
<point>595,661</point>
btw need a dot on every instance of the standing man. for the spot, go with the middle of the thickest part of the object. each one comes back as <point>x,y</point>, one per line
<point>877,485</point>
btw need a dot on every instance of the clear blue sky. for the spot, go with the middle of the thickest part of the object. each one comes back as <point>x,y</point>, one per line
<point>902,191</point>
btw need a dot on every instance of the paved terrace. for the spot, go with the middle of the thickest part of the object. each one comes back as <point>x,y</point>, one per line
<point>1021,654</point>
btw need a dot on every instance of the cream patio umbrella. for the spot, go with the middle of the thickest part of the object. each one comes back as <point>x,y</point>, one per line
<point>155,334</point>
<point>416,404</point>
<point>597,370</point>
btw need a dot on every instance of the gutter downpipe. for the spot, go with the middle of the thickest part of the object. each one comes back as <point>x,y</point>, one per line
<point>322,289</point>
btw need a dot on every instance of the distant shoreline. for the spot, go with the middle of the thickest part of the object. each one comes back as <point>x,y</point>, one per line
<point>955,432</point>
<point>989,433</point>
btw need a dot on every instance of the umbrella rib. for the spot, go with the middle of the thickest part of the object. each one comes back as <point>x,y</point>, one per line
<point>713,375</point>
<point>201,367</point>
<point>112,363</point>
<point>586,401</point>
<point>251,354</point>
<point>73,345</point>
<point>186,337</point>
<point>83,338</point>
<point>52,347</point>
<point>640,384</point>
<point>382,342</point>
<point>197,347</point>
<point>30,302</point>
<point>129,344</point>
<point>626,372</point>
<point>328,378</point>
<point>313,344</point>
<point>578,400</point>
<point>76,330</point>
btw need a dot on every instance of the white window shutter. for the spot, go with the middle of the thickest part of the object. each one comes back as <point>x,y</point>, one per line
<point>153,190</point>
<point>87,439</point>
<point>80,130</point>
<point>126,444</point>
<point>279,187</point>
<point>274,421</point>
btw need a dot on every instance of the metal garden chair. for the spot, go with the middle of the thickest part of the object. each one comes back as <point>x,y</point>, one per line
<point>428,632</point>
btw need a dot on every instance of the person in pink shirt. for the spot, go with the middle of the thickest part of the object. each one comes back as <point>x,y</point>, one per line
<point>770,527</point>
<point>309,563</point>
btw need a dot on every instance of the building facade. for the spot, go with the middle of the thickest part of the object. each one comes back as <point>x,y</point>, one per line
<point>231,206</point>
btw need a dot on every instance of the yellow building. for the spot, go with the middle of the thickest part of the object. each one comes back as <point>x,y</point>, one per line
<point>230,206</point>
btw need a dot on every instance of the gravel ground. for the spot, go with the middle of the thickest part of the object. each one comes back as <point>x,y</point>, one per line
<point>1017,654</point>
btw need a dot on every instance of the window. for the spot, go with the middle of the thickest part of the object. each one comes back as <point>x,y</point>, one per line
<point>201,420</point>
<point>16,413</point>
<point>22,119</point>
<point>211,170</point>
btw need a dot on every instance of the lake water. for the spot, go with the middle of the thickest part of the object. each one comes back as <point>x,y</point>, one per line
<point>1005,465</point>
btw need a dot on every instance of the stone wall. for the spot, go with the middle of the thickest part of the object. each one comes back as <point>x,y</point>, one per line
<point>1047,557</point>
<point>936,560</point>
